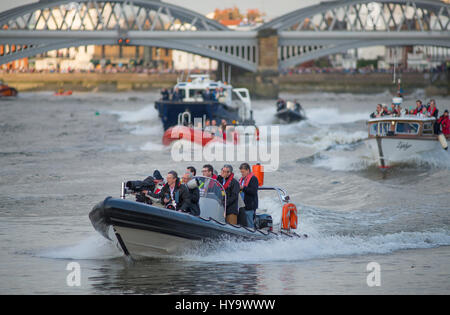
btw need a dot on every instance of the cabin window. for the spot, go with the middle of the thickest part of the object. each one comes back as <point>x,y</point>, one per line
<point>407,128</point>
<point>427,128</point>
<point>373,129</point>
<point>385,127</point>
<point>195,93</point>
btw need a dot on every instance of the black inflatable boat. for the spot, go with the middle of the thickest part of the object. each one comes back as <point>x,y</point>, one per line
<point>140,229</point>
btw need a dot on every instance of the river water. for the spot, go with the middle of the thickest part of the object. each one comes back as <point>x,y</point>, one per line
<point>59,156</point>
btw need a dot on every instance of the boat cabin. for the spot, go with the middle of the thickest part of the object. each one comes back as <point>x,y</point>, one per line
<point>193,89</point>
<point>196,86</point>
<point>407,127</point>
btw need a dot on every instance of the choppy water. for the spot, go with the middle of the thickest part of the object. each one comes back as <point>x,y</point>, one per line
<point>61,155</point>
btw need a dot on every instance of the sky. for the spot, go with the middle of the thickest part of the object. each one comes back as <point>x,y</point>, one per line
<point>272,8</point>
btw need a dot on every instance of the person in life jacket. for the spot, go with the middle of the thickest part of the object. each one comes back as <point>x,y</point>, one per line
<point>231,186</point>
<point>444,123</point>
<point>432,110</point>
<point>418,108</point>
<point>173,195</point>
<point>249,191</point>
<point>208,171</point>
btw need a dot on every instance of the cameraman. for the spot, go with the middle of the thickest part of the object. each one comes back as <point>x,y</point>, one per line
<point>173,195</point>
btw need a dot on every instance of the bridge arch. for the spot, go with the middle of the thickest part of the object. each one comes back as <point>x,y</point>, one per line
<point>54,24</point>
<point>336,26</point>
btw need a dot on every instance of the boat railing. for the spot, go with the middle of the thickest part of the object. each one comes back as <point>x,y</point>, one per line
<point>283,198</point>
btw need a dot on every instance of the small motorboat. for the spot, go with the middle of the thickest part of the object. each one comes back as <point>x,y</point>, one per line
<point>7,91</point>
<point>150,230</point>
<point>395,139</point>
<point>290,111</point>
<point>203,135</point>
<point>62,92</point>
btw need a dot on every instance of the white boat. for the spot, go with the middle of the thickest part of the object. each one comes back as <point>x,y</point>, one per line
<point>394,140</point>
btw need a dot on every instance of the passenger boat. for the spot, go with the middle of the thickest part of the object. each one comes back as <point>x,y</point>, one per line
<point>232,105</point>
<point>7,91</point>
<point>144,230</point>
<point>393,140</point>
<point>291,112</point>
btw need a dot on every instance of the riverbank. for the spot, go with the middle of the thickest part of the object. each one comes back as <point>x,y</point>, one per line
<point>432,84</point>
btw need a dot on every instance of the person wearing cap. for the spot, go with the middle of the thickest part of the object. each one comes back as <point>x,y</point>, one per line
<point>231,186</point>
<point>248,185</point>
<point>444,123</point>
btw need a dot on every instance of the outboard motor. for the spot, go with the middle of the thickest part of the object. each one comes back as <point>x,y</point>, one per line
<point>264,221</point>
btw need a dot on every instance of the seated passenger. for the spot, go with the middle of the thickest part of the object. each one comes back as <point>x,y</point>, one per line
<point>192,187</point>
<point>393,110</point>
<point>378,112</point>
<point>432,110</point>
<point>418,108</point>
<point>173,195</point>
<point>423,112</point>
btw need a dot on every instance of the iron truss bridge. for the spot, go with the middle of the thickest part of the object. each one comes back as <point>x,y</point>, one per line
<point>303,35</point>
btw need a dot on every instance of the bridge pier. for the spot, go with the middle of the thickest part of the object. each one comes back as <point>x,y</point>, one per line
<point>264,83</point>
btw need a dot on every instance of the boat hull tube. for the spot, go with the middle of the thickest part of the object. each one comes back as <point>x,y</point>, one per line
<point>143,230</point>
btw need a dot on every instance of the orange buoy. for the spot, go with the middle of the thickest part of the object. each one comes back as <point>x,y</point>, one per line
<point>258,171</point>
<point>289,218</point>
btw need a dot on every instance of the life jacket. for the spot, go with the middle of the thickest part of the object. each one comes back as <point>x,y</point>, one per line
<point>418,110</point>
<point>432,112</point>
<point>228,181</point>
<point>244,181</point>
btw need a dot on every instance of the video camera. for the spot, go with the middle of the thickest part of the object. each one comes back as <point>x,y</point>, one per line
<point>137,187</point>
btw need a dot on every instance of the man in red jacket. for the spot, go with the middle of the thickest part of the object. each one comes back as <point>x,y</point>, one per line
<point>444,121</point>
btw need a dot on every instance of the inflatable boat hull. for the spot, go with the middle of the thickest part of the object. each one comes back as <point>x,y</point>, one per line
<point>146,230</point>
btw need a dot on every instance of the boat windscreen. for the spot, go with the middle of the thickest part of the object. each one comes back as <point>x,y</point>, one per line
<point>212,198</point>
